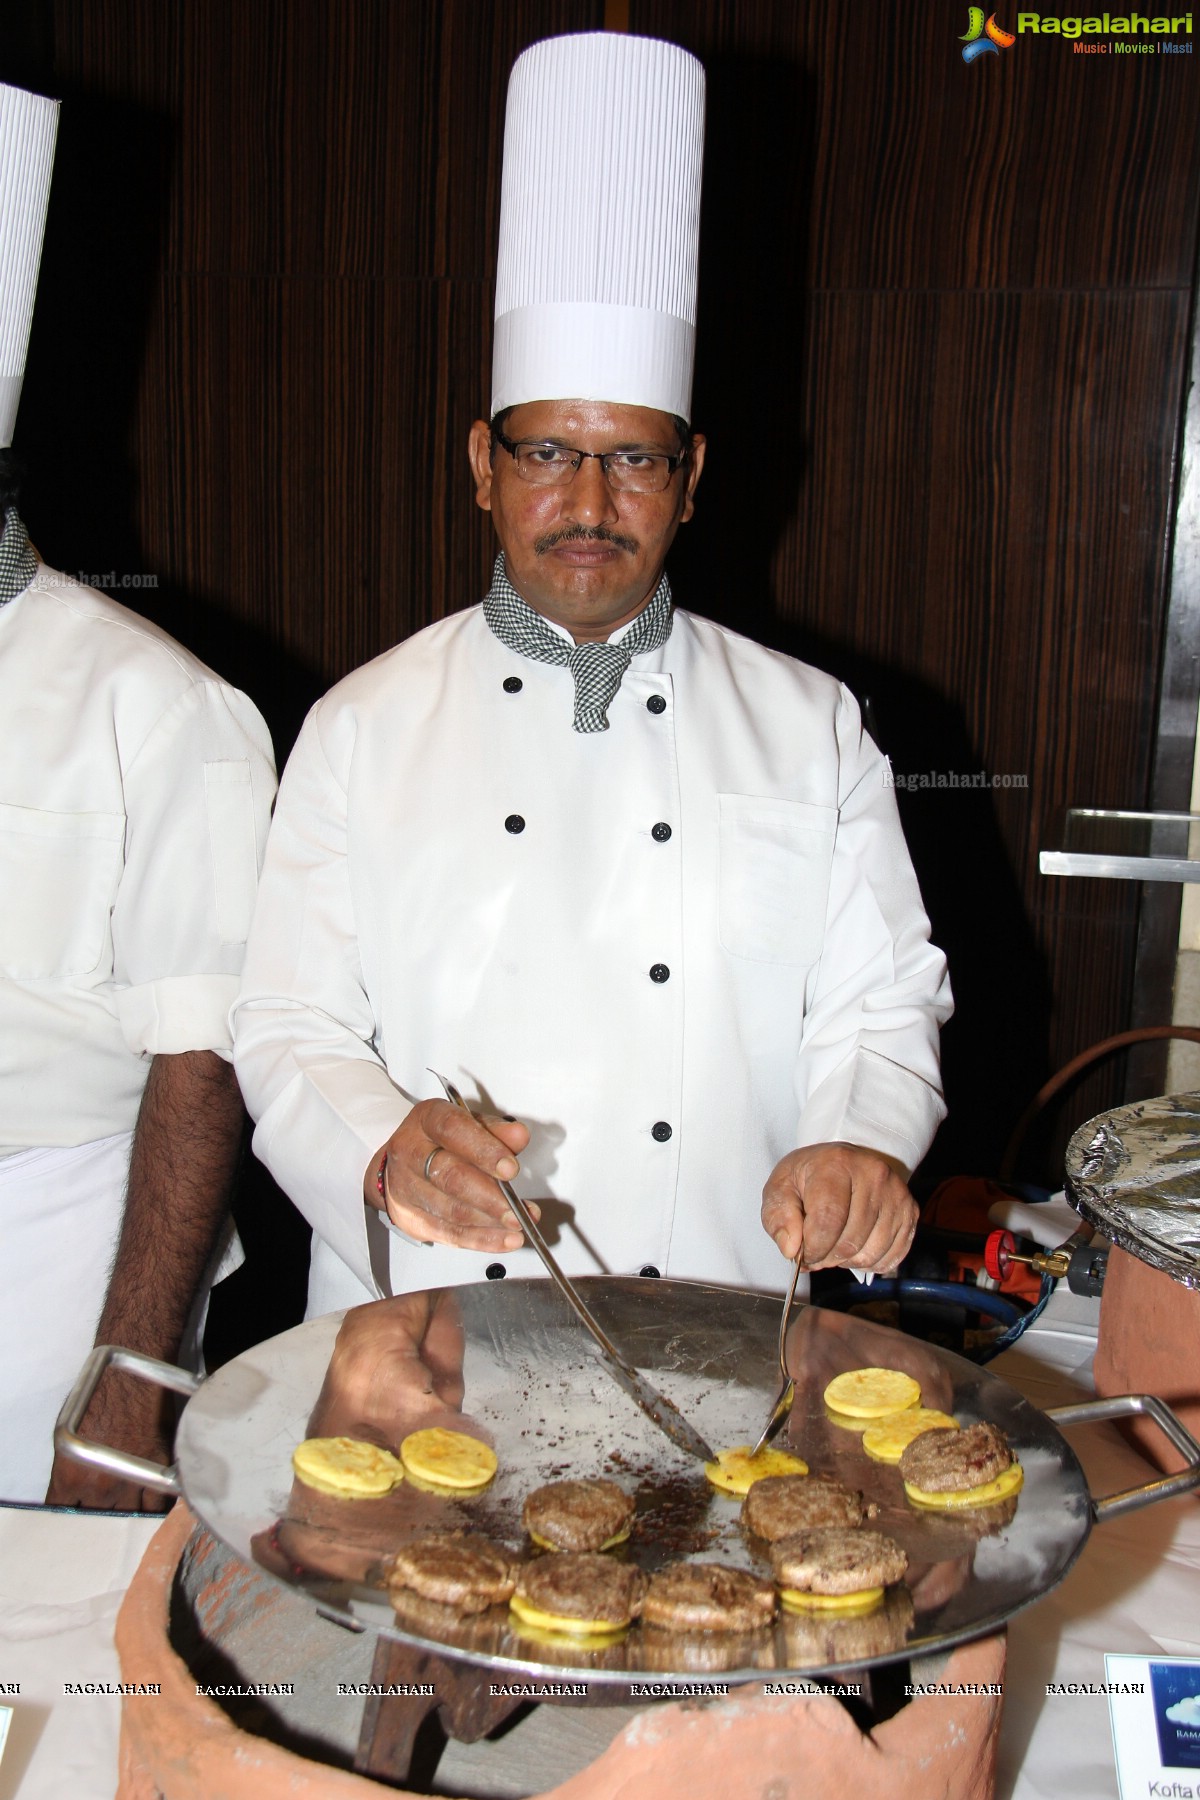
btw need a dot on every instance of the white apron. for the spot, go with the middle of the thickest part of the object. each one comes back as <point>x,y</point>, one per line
<point>60,1217</point>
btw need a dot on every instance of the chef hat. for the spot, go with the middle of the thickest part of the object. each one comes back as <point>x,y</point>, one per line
<point>599,224</point>
<point>27,127</point>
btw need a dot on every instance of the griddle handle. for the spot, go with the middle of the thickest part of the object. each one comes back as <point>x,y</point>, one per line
<point>104,1456</point>
<point>1125,1406</point>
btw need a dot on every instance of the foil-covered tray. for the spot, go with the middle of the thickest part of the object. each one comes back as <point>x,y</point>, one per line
<point>512,1356</point>
<point>1134,1173</point>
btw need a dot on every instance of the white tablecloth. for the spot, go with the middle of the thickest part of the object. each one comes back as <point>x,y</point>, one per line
<point>62,1578</point>
<point>1136,1588</point>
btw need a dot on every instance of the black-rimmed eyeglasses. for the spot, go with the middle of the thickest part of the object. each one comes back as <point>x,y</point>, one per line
<point>628,471</point>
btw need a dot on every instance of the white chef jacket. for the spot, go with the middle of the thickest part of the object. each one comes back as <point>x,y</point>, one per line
<point>676,949</point>
<point>135,793</point>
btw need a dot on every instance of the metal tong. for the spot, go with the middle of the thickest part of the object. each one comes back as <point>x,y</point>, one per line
<point>787,1391</point>
<point>656,1406</point>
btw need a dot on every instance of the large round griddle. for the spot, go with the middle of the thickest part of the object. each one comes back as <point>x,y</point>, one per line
<point>533,1384</point>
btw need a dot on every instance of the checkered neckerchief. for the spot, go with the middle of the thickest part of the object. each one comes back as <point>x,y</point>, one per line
<point>598,669</point>
<point>18,564</point>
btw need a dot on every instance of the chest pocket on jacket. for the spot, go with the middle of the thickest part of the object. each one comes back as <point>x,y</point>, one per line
<point>58,880</point>
<point>775,858</point>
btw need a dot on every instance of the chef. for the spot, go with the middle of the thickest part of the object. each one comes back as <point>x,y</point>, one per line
<point>635,884</point>
<point>135,791</point>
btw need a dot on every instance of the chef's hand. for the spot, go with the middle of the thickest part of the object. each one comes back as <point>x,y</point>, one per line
<point>458,1202</point>
<point>133,1418</point>
<point>840,1206</point>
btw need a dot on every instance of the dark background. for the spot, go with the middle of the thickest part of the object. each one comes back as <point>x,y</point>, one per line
<point>945,323</point>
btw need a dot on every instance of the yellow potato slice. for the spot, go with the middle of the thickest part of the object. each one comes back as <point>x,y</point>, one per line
<point>348,1467</point>
<point>554,1624</point>
<point>887,1440</point>
<point>795,1600</point>
<point>872,1393</point>
<point>735,1471</point>
<point>447,1459</point>
<point>1011,1482</point>
<point>622,1537</point>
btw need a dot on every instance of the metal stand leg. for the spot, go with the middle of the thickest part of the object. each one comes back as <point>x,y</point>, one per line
<point>391,1721</point>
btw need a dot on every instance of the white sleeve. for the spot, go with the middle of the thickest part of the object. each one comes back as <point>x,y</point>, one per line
<point>868,1070</point>
<point>197,806</point>
<point>303,1026</point>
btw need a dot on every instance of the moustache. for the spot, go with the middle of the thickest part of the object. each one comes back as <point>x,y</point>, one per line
<point>583,534</point>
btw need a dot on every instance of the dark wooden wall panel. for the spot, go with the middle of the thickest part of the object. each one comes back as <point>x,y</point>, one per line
<point>342,519</point>
<point>1036,168</point>
<point>960,302</point>
<point>263,330</point>
<point>285,217</point>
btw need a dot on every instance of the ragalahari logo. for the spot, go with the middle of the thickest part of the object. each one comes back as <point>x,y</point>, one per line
<point>984,37</point>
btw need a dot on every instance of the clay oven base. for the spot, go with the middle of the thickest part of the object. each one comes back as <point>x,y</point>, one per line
<point>178,1745</point>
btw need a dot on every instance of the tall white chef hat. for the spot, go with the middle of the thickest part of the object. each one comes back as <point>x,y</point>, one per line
<point>27,127</point>
<point>599,224</point>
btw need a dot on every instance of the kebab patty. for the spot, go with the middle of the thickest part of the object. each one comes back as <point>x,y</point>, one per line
<point>951,1462</point>
<point>579,1592</point>
<point>837,1562</point>
<point>578,1515</point>
<point>708,1597</point>
<point>467,1574</point>
<point>783,1504</point>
